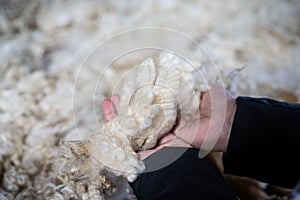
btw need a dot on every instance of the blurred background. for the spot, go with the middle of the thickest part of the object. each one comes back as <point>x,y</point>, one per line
<point>255,44</point>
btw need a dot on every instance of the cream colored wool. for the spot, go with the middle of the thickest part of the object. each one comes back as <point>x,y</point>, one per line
<point>148,110</point>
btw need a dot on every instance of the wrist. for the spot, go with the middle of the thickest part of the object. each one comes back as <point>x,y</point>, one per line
<point>223,141</point>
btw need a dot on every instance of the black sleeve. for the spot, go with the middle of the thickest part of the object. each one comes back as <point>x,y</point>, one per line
<point>265,141</point>
<point>178,173</point>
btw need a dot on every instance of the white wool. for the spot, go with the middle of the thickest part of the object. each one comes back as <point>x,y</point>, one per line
<point>42,44</point>
<point>145,116</point>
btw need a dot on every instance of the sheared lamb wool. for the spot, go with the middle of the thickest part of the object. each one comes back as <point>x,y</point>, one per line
<point>148,110</point>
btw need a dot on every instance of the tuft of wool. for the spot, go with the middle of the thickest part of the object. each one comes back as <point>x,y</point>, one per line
<point>148,110</point>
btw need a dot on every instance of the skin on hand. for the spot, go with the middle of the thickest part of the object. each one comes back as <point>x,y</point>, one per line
<point>210,120</point>
<point>214,102</point>
<point>110,107</point>
<point>192,135</point>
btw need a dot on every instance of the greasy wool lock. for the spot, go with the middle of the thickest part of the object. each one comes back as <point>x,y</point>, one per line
<point>148,110</point>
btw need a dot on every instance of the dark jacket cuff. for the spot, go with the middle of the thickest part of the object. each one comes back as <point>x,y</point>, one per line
<point>265,141</point>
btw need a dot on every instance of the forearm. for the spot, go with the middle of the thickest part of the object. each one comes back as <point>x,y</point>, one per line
<point>264,141</point>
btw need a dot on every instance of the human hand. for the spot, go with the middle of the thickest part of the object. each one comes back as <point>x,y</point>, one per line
<point>214,125</point>
<point>217,110</point>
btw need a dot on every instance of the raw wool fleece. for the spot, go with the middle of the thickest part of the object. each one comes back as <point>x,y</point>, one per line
<point>148,110</point>
<point>40,49</point>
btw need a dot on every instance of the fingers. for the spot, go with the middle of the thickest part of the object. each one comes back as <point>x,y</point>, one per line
<point>115,99</point>
<point>107,108</point>
<point>110,107</point>
<point>166,139</point>
<point>144,154</point>
<point>169,140</point>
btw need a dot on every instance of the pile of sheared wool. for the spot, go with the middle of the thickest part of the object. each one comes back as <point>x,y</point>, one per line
<point>42,43</point>
<point>34,116</point>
